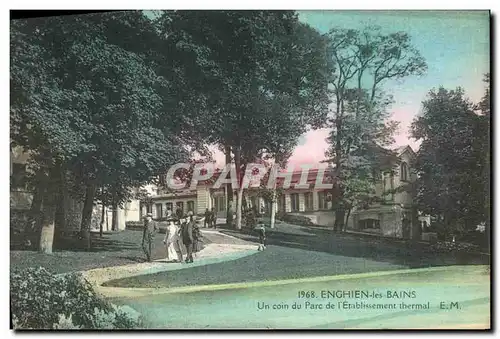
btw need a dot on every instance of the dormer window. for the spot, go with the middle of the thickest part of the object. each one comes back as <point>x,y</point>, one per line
<point>404,171</point>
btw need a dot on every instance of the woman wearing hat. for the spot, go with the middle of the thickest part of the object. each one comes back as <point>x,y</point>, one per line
<point>172,240</point>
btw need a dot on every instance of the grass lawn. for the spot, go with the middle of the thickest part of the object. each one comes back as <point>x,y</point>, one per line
<point>241,307</point>
<point>113,249</point>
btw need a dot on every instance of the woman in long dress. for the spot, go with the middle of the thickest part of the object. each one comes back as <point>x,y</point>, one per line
<point>171,242</point>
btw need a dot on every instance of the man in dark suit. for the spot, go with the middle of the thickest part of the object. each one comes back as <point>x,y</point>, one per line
<point>150,229</point>
<point>178,214</point>
<point>188,239</point>
<point>213,218</point>
<point>207,218</point>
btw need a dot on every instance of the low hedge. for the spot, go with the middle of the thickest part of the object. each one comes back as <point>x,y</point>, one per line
<point>134,225</point>
<point>42,300</point>
<point>296,219</point>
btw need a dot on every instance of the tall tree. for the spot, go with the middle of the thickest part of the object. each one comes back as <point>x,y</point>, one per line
<point>95,100</point>
<point>249,62</point>
<point>483,148</point>
<point>450,161</point>
<point>362,62</point>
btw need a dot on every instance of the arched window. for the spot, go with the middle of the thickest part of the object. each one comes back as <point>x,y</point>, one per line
<point>404,171</point>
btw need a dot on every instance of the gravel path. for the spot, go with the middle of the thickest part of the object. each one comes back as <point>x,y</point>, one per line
<point>113,249</point>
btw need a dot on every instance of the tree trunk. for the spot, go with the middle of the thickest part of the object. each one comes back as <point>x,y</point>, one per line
<point>33,226</point>
<point>50,199</point>
<point>347,219</point>
<point>114,218</point>
<point>47,229</point>
<point>101,224</point>
<point>339,219</point>
<point>244,202</point>
<point>239,202</point>
<point>61,208</point>
<point>237,163</point>
<point>229,201</point>
<point>87,215</point>
<point>273,210</point>
<point>339,210</point>
<point>107,221</point>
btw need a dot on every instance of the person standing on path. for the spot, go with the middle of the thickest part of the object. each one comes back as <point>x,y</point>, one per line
<point>172,240</point>
<point>188,239</point>
<point>197,237</point>
<point>261,228</point>
<point>213,218</point>
<point>207,218</point>
<point>178,214</point>
<point>150,228</point>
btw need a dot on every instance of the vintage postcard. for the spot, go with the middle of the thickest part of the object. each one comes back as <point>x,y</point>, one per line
<point>254,169</point>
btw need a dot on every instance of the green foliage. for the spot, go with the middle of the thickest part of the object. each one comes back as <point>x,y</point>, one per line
<point>260,76</point>
<point>361,62</point>
<point>134,225</point>
<point>452,161</point>
<point>41,300</point>
<point>93,94</point>
<point>250,218</point>
<point>295,219</point>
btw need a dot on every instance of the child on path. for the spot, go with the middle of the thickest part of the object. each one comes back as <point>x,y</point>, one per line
<point>261,229</point>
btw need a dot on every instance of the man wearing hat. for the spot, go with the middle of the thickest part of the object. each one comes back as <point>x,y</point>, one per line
<point>187,237</point>
<point>150,228</point>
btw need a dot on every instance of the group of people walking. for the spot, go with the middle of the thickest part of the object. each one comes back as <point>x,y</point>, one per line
<point>180,232</point>
<point>210,218</point>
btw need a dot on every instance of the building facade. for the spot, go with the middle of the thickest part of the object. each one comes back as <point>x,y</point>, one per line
<point>394,215</point>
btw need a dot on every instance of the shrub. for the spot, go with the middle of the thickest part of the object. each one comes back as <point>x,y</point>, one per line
<point>134,225</point>
<point>41,300</point>
<point>448,246</point>
<point>296,219</point>
<point>250,218</point>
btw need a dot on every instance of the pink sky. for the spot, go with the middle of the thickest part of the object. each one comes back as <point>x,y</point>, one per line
<point>312,150</point>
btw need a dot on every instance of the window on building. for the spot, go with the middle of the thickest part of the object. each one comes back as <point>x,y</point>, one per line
<point>190,206</point>
<point>268,207</point>
<point>404,171</point>
<point>281,203</point>
<point>322,201</point>
<point>179,205</point>
<point>170,207</point>
<point>149,208</point>
<point>253,202</point>
<point>308,201</point>
<point>369,224</point>
<point>159,210</point>
<point>220,203</point>
<point>388,186</point>
<point>294,202</point>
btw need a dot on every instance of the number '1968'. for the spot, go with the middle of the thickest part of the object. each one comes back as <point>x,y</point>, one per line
<point>306,294</point>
